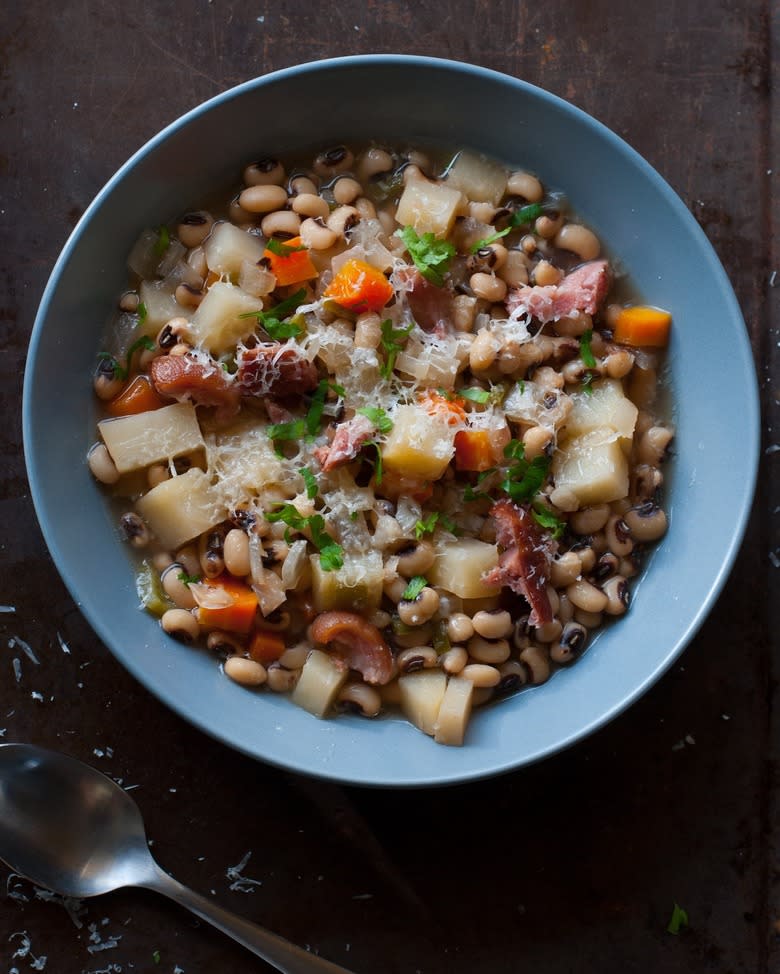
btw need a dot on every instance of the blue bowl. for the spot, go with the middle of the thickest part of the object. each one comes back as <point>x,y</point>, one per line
<point>634,211</point>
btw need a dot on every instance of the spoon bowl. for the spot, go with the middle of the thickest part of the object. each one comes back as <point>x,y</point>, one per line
<point>66,826</point>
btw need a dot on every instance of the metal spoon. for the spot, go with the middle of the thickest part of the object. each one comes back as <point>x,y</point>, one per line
<point>69,828</point>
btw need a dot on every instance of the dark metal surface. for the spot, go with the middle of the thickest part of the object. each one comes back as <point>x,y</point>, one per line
<point>570,866</point>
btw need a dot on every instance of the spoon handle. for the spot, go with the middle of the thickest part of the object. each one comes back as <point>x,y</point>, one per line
<point>273,949</point>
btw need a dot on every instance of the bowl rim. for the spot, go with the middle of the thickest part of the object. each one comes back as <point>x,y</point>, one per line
<point>738,520</point>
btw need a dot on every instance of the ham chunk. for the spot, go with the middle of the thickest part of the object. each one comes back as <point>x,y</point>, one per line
<point>581,291</point>
<point>431,306</point>
<point>188,379</point>
<point>347,442</point>
<point>274,369</point>
<point>524,565</point>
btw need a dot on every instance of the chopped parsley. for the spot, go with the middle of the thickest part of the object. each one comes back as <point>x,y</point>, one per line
<point>678,920</point>
<point>521,217</point>
<point>331,553</point>
<point>310,481</point>
<point>280,249</point>
<point>392,342</point>
<point>273,320</point>
<point>427,525</point>
<point>586,352</point>
<point>377,464</point>
<point>143,313</point>
<point>188,580</point>
<point>378,417</point>
<point>431,256</point>
<point>547,520</point>
<point>413,589</point>
<point>156,956</point>
<point>309,425</point>
<point>122,371</point>
<point>475,394</point>
<point>470,495</point>
<point>163,241</point>
<point>522,479</point>
<point>521,386</point>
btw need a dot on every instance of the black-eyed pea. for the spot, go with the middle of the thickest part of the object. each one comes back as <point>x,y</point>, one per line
<point>333,161</point>
<point>493,624</point>
<point>536,660</point>
<point>565,499</point>
<point>591,620</point>
<point>488,286</point>
<point>343,219</point>
<point>129,302</point>
<point>482,695</point>
<point>565,608</point>
<point>263,198</point>
<point>481,675</point>
<point>646,522</point>
<point>492,651</point>
<point>346,190</point>
<point>421,609</point>
<point>414,658</point>
<point>160,560</point>
<point>547,632</point>
<point>373,162</point>
<point>482,212</point>
<point>584,595</point>
<point>316,236</point>
<point>526,185</point>
<point>194,227</point>
<point>578,240</point>
<point>281,222</point>
<point>454,660</point>
<point>514,270</point>
<point>264,172</point>
<point>574,325</point>
<point>460,627</point>
<point>617,365</point>
<point>618,595</point>
<point>528,244</point>
<point>359,698</point>
<point>652,445</point>
<point>588,520</point>
<point>545,273</point>
<point>237,214</point>
<point>246,672</point>
<point>135,530</point>
<point>618,536</point>
<point>483,351</point>
<point>105,382</point>
<point>565,569</point>
<point>570,645</point>
<point>236,553</point>
<point>280,680</point>
<point>536,439</point>
<point>180,624</point>
<point>223,643</point>
<point>188,296</point>
<point>295,656</point>
<point>416,559</point>
<point>548,224</point>
<point>365,208</point>
<point>101,466</point>
<point>513,676</point>
<point>311,205</point>
<point>173,580</point>
<point>303,184</point>
<point>464,309</point>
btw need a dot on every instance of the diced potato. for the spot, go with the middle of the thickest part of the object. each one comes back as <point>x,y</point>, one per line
<point>454,712</point>
<point>460,565</point>
<point>319,683</point>
<point>481,179</point>
<point>593,466</point>
<point>160,304</point>
<point>356,586</point>
<point>180,509</point>
<point>144,438</point>
<point>421,697</point>
<point>217,325</point>
<point>606,407</point>
<point>228,246</point>
<point>428,207</point>
<point>419,445</point>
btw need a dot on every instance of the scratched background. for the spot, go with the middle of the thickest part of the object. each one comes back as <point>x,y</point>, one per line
<point>570,866</point>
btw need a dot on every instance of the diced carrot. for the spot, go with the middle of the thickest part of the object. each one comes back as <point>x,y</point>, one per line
<point>474,450</point>
<point>291,268</point>
<point>237,616</point>
<point>643,326</point>
<point>395,485</point>
<point>359,287</point>
<point>449,408</point>
<point>266,647</point>
<point>138,396</point>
